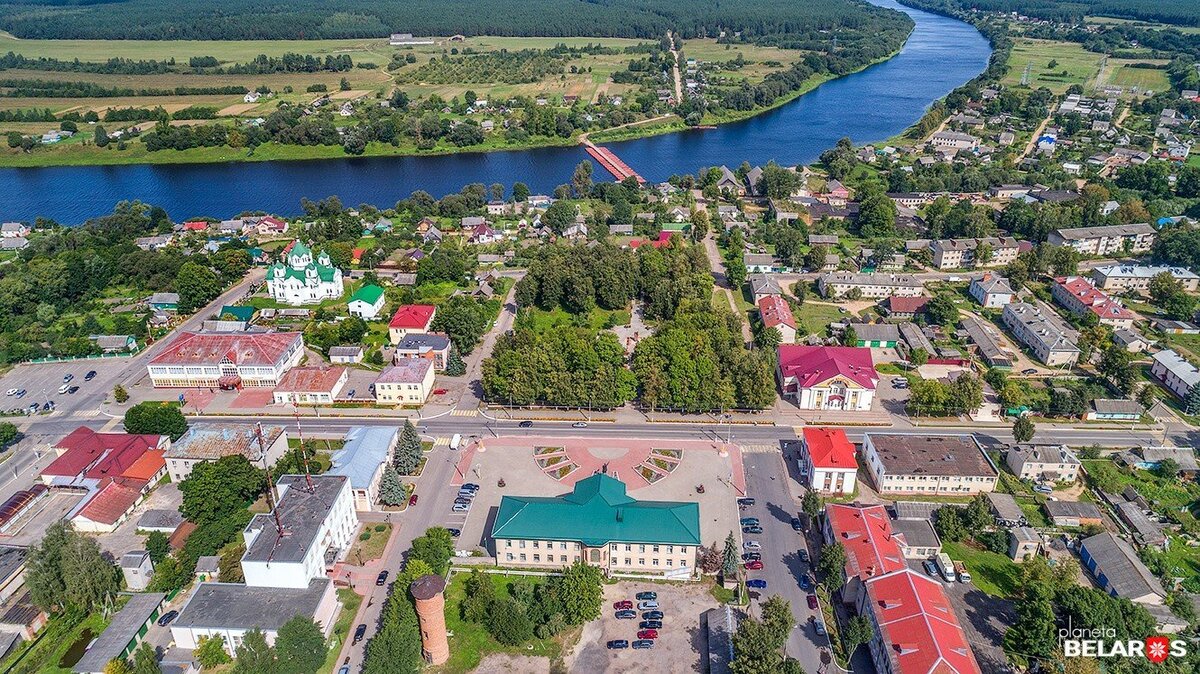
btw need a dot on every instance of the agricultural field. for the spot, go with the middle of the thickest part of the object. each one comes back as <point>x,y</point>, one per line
<point>227,51</point>
<point>1111,21</point>
<point>1072,64</point>
<point>1145,79</point>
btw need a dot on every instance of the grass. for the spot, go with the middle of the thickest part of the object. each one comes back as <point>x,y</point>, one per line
<point>992,573</point>
<point>57,638</point>
<point>1164,494</point>
<point>372,547</point>
<point>471,642</point>
<point>1075,64</point>
<point>341,627</point>
<point>1034,514</point>
<point>816,317</point>
<point>597,319</point>
<point>1145,79</point>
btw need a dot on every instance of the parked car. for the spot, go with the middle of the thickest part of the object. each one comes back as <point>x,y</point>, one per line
<point>749,521</point>
<point>63,389</point>
<point>819,628</point>
<point>623,605</point>
<point>746,501</point>
<point>48,405</point>
<point>752,530</point>
<point>360,632</point>
<point>470,485</point>
<point>647,634</point>
<point>72,390</point>
<point>455,533</point>
<point>90,375</point>
<point>344,669</point>
<point>757,584</point>
<point>803,555</point>
<point>582,424</point>
<point>751,556</point>
<point>527,424</point>
<point>642,644</point>
<point>796,526</point>
<point>629,614</point>
<point>646,596</point>
<point>381,578</point>
<point>167,618</point>
<point>1029,370</point>
<point>805,583</point>
<point>461,507</point>
<point>650,625</point>
<point>647,605</point>
<point>751,545</point>
<point>439,391</point>
<point>618,644</point>
<point>930,568</point>
<point>412,500</point>
<point>812,601</point>
<point>68,377</point>
<point>1043,489</point>
<point>11,392</point>
<point>754,565</point>
<point>351,393</point>
<point>21,393</point>
<point>653,615</point>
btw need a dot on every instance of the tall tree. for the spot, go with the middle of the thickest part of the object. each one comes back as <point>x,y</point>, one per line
<point>435,548</point>
<point>156,418</point>
<point>300,647</point>
<point>197,285</point>
<point>254,655</point>
<point>858,631</point>
<point>391,488</point>
<point>43,574</point>
<point>213,491</point>
<point>1023,429</point>
<point>832,566</point>
<point>145,660</point>
<point>580,593</point>
<point>90,579</point>
<point>729,559</point>
<point>408,452</point>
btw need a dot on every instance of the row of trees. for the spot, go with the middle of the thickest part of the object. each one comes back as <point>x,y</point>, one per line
<point>564,366</point>
<point>538,610</point>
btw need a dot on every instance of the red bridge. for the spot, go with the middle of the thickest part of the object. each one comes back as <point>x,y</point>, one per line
<point>611,162</point>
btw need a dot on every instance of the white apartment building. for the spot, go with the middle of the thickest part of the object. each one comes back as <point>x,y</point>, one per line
<point>318,518</point>
<point>837,284</point>
<point>933,464</point>
<point>992,291</point>
<point>1105,240</point>
<point>408,382</point>
<point>962,253</point>
<point>1177,374</point>
<point>1053,463</point>
<point>1039,328</point>
<point>1126,277</point>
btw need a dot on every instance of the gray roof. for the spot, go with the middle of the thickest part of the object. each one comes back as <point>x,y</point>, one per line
<point>12,559</point>
<point>761,284</point>
<point>1175,364</point>
<point>822,239</point>
<point>213,441</point>
<point>164,298</point>
<point>123,628</point>
<point>1005,506</point>
<point>951,455</point>
<point>301,514</point>
<point>1111,406</point>
<point>916,533</point>
<point>133,559</point>
<point>1126,574</point>
<point>1126,336</point>
<point>985,340</point>
<point>1080,233</point>
<point>1072,509</point>
<point>915,510</point>
<point>237,606</point>
<point>208,564</point>
<point>366,448</point>
<point>876,332</point>
<point>1183,456</point>
<point>352,350</point>
<point>13,242</point>
<point>418,342</point>
<point>915,337</point>
<point>1026,534</point>
<point>1147,530</point>
<point>1024,454</point>
<point>160,519</point>
<point>992,284</point>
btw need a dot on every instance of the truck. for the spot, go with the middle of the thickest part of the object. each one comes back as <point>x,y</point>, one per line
<point>946,567</point>
<point>456,441</point>
<point>964,576</point>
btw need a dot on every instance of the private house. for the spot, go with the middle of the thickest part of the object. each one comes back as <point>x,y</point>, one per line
<point>361,460</point>
<point>164,301</point>
<point>914,627</point>
<point>838,284</point>
<point>137,569</point>
<point>1043,463</point>
<point>1079,296</point>
<point>991,291</point>
<point>903,308</point>
<point>759,263</point>
<point>1114,410</point>
<point>408,382</point>
<point>366,302</point>
<point>1171,327</point>
<point>115,471</point>
<point>1118,570</point>
<point>434,346</point>
<point>124,633</point>
<point>728,182</point>
<point>163,520</point>
<point>865,532</point>
<point>1105,240</point>
<point>942,464</point>
<point>986,343</point>
<point>762,285</point>
<point>1073,513</point>
<point>1176,374</point>
<point>1138,518</point>
<point>1127,277</point>
<point>826,460</point>
<point>304,277</point>
<point>1023,543</point>
<point>1008,513</point>
<point>1149,458</point>
<point>481,232</point>
<point>410,318</point>
<point>262,445</point>
<point>953,140</point>
<point>14,230</point>
<point>1130,340</point>
<point>875,335</point>
<point>226,360</point>
<point>114,343</point>
<point>311,385</point>
<point>348,354</point>
<point>1036,326</point>
<point>774,312</point>
<point>14,243</point>
<point>827,377</point>
<point>967,253</point>
<point>599,524</point>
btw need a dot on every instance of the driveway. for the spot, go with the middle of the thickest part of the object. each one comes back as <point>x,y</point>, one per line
<point>984,619</point>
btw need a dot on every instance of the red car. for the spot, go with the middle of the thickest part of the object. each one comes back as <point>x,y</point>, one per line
<point>622,605</point>
<point>647,634</point>
<point>812,601</point>
<point>439,391</point>
<point>754,565</point>
<point>412,500</point>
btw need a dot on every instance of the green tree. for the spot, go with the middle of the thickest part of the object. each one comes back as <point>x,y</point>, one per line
<point>1033,633</point>
<point>858,631</point>
<point>877,216</point>
<point>213,491</point>
<point>300,647</point>
<point>391,488</point>
<point>918,357</point>
<point>509,623</point>
<point>396,647</point>
<point>811,504</point>
<point>464,320</point>
<point>435,548</point>
<point>408,454</point>
<point>254,655</point>
<point>941,310</point>
<point>158,545</point>
<point>156,418</point>
<point>229,563</point>
<point>210,652</point>
<point>197,285</point>
<point>455,366</point>
<point>849,336</point>
<point>580,592</point>
<point>118,666</point>
<point>479,594</point>
<point>43,574</point>
<point>89,579</point>
<point>120,394</point>
<point>581,179</point>
<point>1023,429</point>
<point>1115,364</point>
<point>8,434</point>
<point>1192,404</point>
<point>729,558</point>
<point>145,661</point>
<point>1167,469</point>
<point>558,216</point>
<point>832,566</point>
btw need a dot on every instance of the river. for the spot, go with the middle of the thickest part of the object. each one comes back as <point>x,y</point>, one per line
<point>875,104</point>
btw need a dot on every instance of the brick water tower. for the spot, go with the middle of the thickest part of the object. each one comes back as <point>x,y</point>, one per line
<point>431,610</point>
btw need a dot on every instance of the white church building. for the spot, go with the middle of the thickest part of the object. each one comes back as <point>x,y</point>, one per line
<point>304,279</point>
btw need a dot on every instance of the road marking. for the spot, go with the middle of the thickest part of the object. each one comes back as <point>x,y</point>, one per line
<point>465,413</point>
<point>759,449</point>
<point>441,441</point>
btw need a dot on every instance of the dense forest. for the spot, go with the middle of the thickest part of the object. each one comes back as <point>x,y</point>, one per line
<point>854,21</point>
<point>1181,12</point>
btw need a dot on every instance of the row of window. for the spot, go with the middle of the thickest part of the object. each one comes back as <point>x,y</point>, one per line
<point>653,548</point>
<point>549,545</point>
<point>537,558</point>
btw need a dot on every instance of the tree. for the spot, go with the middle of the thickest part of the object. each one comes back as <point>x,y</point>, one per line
<point>581,179</point>
<point>1167,469</point>
<point>918,357</point>
<point>229,563</point>
<point>215,490</point>
<point>120,394</point>
<point>1192,404</point>
<point>43,575</point>
<point>68,570</point>
<point>877,216</point>
<point>408,453</point>
<point>858,631</point>
<point>520,191</point>
<point>832,566</point>
<point>941,310</point>
<point>580,593</point>
<point>210,652</point>
<point>479,594</point>
<point>1147,396</point>
<point>811,504</point>
<point>396,647</point>
<point>1115,364</point>
<point>455,366</point>
<point>463,319</point>
<point>158,545</point>
<point>300,647</point>
<point>508,622</point>
<point>118,666</point>
<point>391,489</point>
<point>145,660</point>
<point>156,418</point>
<point>729,559</point>
<point>710,559</point>
<point>8,434</point>
<point>435,548</point>
<point>1023,429</point>
<point>254,655</point>
<point>1033,633</point>
<point>197,285</point>
<point>849,336</point>
<point>558,216</point>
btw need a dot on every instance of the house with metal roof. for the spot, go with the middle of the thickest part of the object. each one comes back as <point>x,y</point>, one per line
<point>933,464</point>
<point>262,445</point>
<point>1118,570</point>
<point>599,524</point>
<point>1008,513</point>
<point>361,460</point>
<point>1115,410</point>
<point>826,460</point>
<point>1175,372</point>
<point>917,630</point>
<point>366,302</point>
<point>304,277</point>
<point>827,377</point>
<point>1073,513</point>
<point>123,634</point>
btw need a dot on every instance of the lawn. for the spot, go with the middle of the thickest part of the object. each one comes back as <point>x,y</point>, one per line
<point>993,574</point>
<point>372,547</point>
<point>1075,65</point>
<point>1166,494</point>
<point>1145,79</point>
<point>47,655</point>
<point>341,627</point>
<point>598,319</point>
<point>471,642</point>
<point>816,316</point>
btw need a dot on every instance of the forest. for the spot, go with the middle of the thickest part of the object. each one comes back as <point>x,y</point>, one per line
<point>315,19</point>
<point>1180,12</point>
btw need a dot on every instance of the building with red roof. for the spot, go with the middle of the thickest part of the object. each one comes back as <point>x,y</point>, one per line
<point>310,386</point>
<point>195,226</point>
<point>900,307</point>
<point>664,239</point>
<point>226,360</point>
<point>872,549</point>
<point>1079,296</point>
<point>409,319</point>
<point>827,377</point>
<point>827,460</point>
<point>115,470</point>
<point>774,312</point>
<point>915,628</point>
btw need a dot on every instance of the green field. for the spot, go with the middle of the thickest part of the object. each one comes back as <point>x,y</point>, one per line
<point>1074,64</point>
<point>1145,79</point>
<point>597,319</point>
<point>993,574</point>
<point>1108,20</point>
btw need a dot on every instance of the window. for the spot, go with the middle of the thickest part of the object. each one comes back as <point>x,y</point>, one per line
<point>628,562</point>
<point>562,558</point>
<point>508,542</point>
<point>508,557</point>
<point>536,544</point>
<point>654,561</point>
<point>656,548</point>
<point>628,547</point>
<point>670,562</point>
<point>562,546</point>
<point>537,558</point>
<point>641,561</point>
<point>521,544</point>
<point>612,548</point>
<point>522,556</point>
<point>670,549</point>
<point>641,548</point>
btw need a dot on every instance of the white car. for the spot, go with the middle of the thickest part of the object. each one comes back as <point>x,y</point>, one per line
<point>751,545</point>
<point>11,392</point>
<point>647,606</point>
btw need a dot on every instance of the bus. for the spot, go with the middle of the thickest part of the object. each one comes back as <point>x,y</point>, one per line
<point>946,567</point>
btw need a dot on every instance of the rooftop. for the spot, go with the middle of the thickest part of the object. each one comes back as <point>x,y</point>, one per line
<point>413,317</point>
<point>369,293</point>
<point>829,448</point>
<point>857,278</point>
<point>1006,506</point>
<point>1177,365</point>
<point>1127,575</point>
<point>211,441</point>
<point>916,533</point>
<point>424,341</point>
<point>311,379</point>
<point>596,512</point>
<point>102,455</point>
<point>917,624</point>
<point>301,514</point>
<point>956,455</point>
<point>1081,233</point>
<point>236,606</point>
<point>1079,509</point>
<point>241,348</point>
<point>1110,406</point>
<point>775,311</point>
<point>406,371</point>
<point>812,365</point>
<point>366,448</point>
<point>12,558</point>
<point>1144,271</point>
<point>1043,454</point>
<point>866,534</point>
<point>122,629</point>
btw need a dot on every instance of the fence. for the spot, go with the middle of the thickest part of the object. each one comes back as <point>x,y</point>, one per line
<point>71,359</point>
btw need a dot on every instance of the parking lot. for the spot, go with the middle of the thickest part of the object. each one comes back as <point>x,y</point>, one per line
<point>41,382</point>
<point>678,646</point>
<point>984,619</point>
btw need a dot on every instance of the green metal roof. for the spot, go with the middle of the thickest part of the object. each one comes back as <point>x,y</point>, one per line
<point>369,293</point>
<point>596,513</point>
<point>239,313</point>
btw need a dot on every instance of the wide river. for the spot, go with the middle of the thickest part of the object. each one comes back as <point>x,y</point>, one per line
<point>871,105</point>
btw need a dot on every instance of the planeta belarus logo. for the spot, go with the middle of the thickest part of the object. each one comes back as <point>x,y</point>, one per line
<point>1157,649</point>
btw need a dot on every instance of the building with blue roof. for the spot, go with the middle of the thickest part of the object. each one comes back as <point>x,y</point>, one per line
<point>361,460</point>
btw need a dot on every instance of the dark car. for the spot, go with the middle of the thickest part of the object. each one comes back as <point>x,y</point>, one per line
<point>1029,370</point>
<point>749,521</point>
<point>618,644</point>
<point>167,618</point>
<point>412,500</point>
<point>803,555</point>
<point>746,501</point>
<point>796,526</point>
<point>90,375</point>
<point>462,501</point>
<point>751,556</point>
<point>757,584</point>
<point>653,615</point>
<point>812,601</point>
<point>752,530</point>
<point>650,625</point>
<point>455,533</point>
<point>626,615</point>
<point>381,578</point>
<point>470,486</point>
<point>73,390</point>
<point>819,628</point>
<point>623,605</point>
<point>646,596</point>
<point>647,634</point>
<point>805,583</point>
<point>527,424</point>
<point>641,644</point>
<point>360,632</point>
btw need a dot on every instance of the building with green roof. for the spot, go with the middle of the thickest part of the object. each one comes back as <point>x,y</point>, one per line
<point>600,524</point>
<point>304,277</point>
<point>366,302</point>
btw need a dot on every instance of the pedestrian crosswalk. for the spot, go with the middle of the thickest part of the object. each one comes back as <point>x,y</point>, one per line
<point>441,441</point>
<point>464,413</point>
<point>759,449</point>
